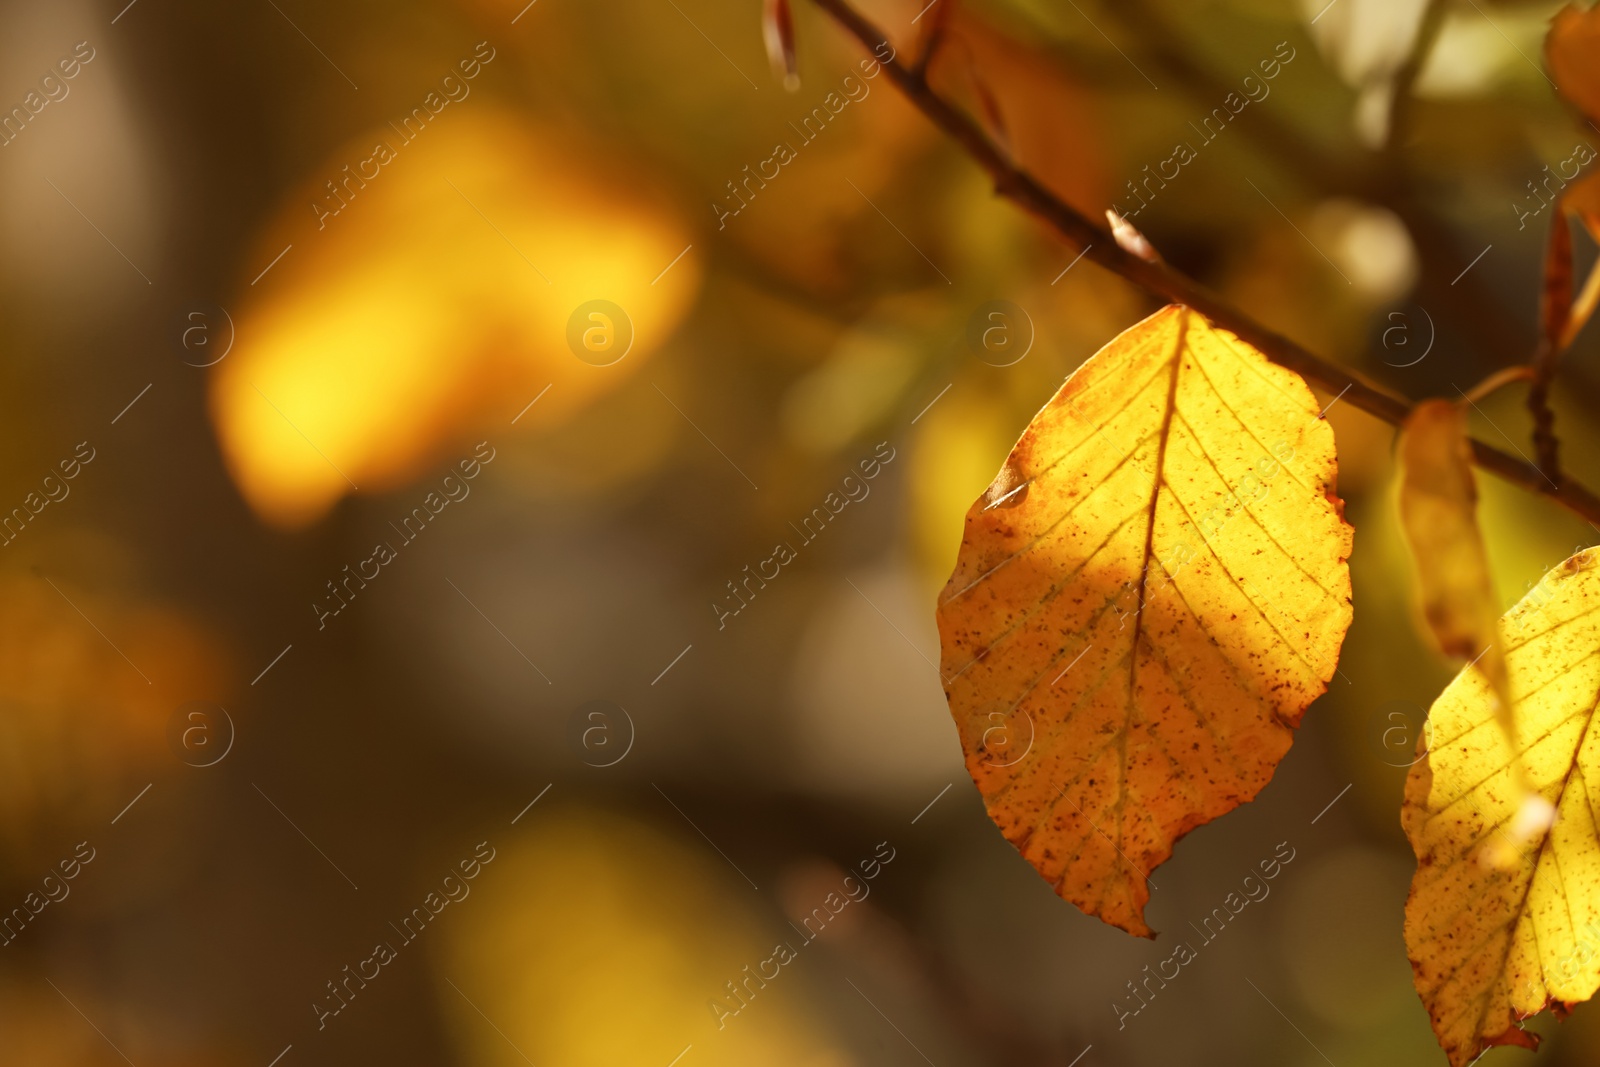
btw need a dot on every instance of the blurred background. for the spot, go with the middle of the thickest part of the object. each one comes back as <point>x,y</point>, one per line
<point>369,584</point>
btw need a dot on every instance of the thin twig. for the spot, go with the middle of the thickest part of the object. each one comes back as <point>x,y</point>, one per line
<point>1545,443</point>
<point>1555,310</point>
<point>1378,177</point>
<point>1162,280</point>
<point>1405,76</point>
<point>1519,372</point>
<point>930,34</point>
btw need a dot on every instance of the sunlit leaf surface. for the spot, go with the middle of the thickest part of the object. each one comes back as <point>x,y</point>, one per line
<point>1146,600</point>
<point>1504,915</point>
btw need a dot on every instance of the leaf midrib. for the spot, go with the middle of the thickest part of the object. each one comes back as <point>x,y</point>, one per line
<point>1144,566</point>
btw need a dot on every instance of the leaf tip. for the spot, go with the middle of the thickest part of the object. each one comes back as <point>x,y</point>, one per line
<point>777,30</point>
<point>1129,239</point>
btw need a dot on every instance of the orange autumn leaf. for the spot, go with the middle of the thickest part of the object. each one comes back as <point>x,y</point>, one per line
<point>1439,513</point>
<point>1146,600</point>
<point>1044,119</point>
<point>1570,47</point>
<point>1503,920</point>
<point>1569,50</point>
<point>80,717</point>
<point>1555,283</point>
<point>1580,200</point>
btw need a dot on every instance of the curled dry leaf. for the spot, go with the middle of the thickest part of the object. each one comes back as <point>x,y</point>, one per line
<point>930,29</point>
<point>1581,199</point>
<point>994,118</point>
<point>777,30</point>
<point>1129,239</point>
<point>1439,513</point>
<point>1048,123</point>
<point>962,58</point>
<point>1555,286</point>
<point>1569,50</point>
<point>1146,600</point>
<point>670,946</point>
<point>1503,920</point>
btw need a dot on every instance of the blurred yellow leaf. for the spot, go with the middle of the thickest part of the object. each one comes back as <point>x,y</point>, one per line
<point>599,941</point>
<point>949,466</point>
<point>1439,513</point>
<point>441,293</point>
<point>1504,915</point>
<point>1146,600</point>
<point>867,371</point>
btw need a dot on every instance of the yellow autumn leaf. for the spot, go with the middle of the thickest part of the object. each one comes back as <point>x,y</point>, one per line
<point>1146,600</point>
<point>1503,920</point>
<point>442,288</point>
<point>1439,512</point>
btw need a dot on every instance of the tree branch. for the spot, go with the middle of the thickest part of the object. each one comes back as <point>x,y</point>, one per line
<point>1555,309</point>
<point>1376,176</point>
<point>1405,78</point>
<point>1158,278</point>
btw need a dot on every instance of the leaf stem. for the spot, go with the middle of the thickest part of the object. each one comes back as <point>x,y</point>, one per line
<point>1519,372</point>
